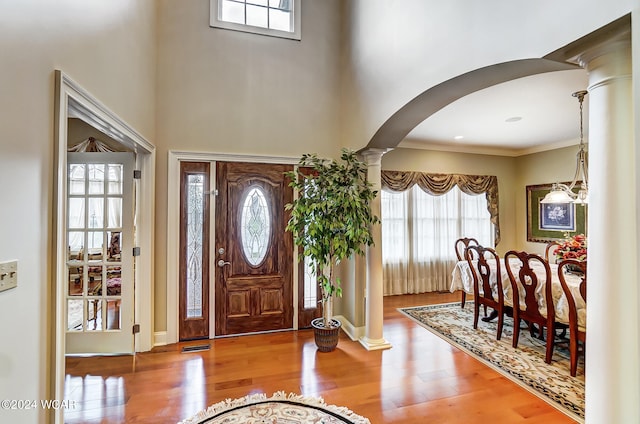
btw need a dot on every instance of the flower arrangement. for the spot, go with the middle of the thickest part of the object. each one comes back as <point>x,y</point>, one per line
<point>574,247</point>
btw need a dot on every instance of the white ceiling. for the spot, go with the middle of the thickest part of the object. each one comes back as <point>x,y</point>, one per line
<point>550,117</point>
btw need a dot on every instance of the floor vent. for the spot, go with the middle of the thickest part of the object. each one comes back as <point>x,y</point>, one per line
<point>197,348</point>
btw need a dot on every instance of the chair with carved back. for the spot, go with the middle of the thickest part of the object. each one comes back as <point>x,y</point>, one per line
<point>460,247</point>
<point>525,284</point>
<point>577,333</point>
<point>550,251</point>
<point>486,271</point>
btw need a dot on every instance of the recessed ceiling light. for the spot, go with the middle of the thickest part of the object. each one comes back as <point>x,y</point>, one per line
<point>513,119</point>
<point>458,137</point>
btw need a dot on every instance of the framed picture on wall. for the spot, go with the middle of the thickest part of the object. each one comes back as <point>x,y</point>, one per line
<point>549,222</point>
<point>557,217</point>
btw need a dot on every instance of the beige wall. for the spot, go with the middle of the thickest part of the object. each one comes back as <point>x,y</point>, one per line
<point>222,91</point>
<point>109,49</point>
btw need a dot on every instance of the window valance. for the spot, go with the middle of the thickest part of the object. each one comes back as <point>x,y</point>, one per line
<point>438,184</point>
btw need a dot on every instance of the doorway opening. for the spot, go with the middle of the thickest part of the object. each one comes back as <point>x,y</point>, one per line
<point>73,102</point>
<point>238,300</point>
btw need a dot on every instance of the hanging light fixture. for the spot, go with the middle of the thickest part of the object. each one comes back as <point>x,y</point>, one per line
<point>562,193</point>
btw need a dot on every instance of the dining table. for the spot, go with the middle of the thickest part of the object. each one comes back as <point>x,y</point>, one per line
<point>462,279</point>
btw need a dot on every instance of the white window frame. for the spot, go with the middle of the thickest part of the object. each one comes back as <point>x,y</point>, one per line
<point>216,22</point>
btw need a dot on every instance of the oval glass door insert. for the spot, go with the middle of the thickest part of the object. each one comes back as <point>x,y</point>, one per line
<point>255,224</point>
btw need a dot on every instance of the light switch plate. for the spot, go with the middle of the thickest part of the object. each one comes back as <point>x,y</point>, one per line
<point>8,275</point>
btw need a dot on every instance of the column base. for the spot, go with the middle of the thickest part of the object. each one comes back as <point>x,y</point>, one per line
<point>374,344</point>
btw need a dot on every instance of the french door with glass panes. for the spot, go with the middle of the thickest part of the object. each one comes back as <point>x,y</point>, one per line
<point>100,231</point>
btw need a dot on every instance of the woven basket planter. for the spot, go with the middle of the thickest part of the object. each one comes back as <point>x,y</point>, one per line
<point>326,338</point>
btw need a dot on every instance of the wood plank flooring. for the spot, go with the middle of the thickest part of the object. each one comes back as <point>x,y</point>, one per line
<point>421,379</point>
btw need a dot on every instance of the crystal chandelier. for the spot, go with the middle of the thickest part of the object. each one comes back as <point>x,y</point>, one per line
<point>562,193</point>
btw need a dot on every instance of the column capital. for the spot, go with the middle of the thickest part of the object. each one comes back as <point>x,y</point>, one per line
<point>608,63</point>
<point>588,56</point>
<point>373,156</point>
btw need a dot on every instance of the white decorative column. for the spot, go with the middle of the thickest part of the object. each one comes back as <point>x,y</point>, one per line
<point>374,313</point>
<point>612,371</point>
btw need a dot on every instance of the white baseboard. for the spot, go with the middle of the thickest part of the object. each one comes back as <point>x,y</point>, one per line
<point>354,333</point>
<point>160,338</point>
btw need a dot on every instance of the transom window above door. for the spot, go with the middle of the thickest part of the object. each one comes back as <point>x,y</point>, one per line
<point>277,18</point>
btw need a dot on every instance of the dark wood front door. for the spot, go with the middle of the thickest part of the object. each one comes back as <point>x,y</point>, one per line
<point>253,253</point>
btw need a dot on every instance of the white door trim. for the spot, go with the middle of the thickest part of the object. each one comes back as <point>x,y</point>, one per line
<point>173,233</point>
<point>71,100</point>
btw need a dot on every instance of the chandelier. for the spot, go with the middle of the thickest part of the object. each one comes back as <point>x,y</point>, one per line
<point>562,193</point>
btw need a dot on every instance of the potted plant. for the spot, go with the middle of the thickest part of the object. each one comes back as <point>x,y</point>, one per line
<point>330,220</point>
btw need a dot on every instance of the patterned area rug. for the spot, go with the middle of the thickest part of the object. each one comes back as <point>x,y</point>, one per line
<point>524,365</point>
<point>280,408</point>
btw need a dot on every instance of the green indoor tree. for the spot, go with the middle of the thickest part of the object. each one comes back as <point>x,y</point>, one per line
<point>331,218</point>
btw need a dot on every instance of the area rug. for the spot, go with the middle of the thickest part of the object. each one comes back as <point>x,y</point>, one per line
<point>525,365</point>
<point>279,408</point>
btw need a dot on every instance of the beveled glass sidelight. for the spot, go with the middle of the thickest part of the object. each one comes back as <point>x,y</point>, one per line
<point>255,225</point>
<point>195,225</point>
<point>310,284</point>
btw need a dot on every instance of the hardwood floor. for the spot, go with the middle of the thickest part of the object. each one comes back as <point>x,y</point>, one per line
<point>420,379</point>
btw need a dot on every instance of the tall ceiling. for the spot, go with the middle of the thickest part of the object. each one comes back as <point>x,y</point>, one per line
<point>521,116</point>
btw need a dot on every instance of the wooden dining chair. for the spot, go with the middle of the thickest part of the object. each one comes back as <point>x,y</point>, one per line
<point>550,250</point>
<point>577,333</point>
<point>525,283</point>
<point>460,246</point>
<point>483,276</point>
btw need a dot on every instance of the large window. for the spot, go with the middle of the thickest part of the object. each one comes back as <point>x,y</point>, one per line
<point>418,235</point>
<point>278,18</point>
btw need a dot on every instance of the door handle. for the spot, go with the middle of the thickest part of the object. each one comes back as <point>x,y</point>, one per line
<point>222,263</point>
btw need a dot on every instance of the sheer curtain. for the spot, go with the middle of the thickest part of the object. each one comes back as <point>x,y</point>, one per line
<point>418,233</point>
